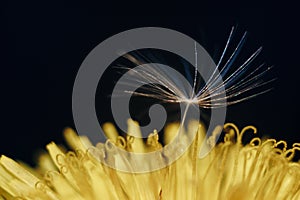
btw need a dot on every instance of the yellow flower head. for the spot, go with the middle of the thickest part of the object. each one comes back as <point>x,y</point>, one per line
<point>257,170</point>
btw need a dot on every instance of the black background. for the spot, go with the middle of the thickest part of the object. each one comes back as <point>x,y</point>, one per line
<point>43,44</point>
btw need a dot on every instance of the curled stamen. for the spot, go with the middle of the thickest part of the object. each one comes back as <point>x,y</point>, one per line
<point>284,144</point>
<point>80,154</point>
<point>227,138</point>
<point>109,146</point>
<point>129,139</point>
<point>40,186</point>
<point>73,160</point>
<point>289,154</point>
<point>48,177</point>
<point>70,156</point>
<point>240,136</point>
<point>296,145</point>
<point>60,159</point>
<point>232,130</point>
<point>64,169</point>
<point>121,142</point>
<point>255,142</point>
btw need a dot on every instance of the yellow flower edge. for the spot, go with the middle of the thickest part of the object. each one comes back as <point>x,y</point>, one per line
<point>257,170</point>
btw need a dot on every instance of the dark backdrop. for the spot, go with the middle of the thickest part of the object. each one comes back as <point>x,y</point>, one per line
<point>43,44</point>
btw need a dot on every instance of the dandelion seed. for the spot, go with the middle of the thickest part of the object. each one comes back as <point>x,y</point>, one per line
<point>210,94</point>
